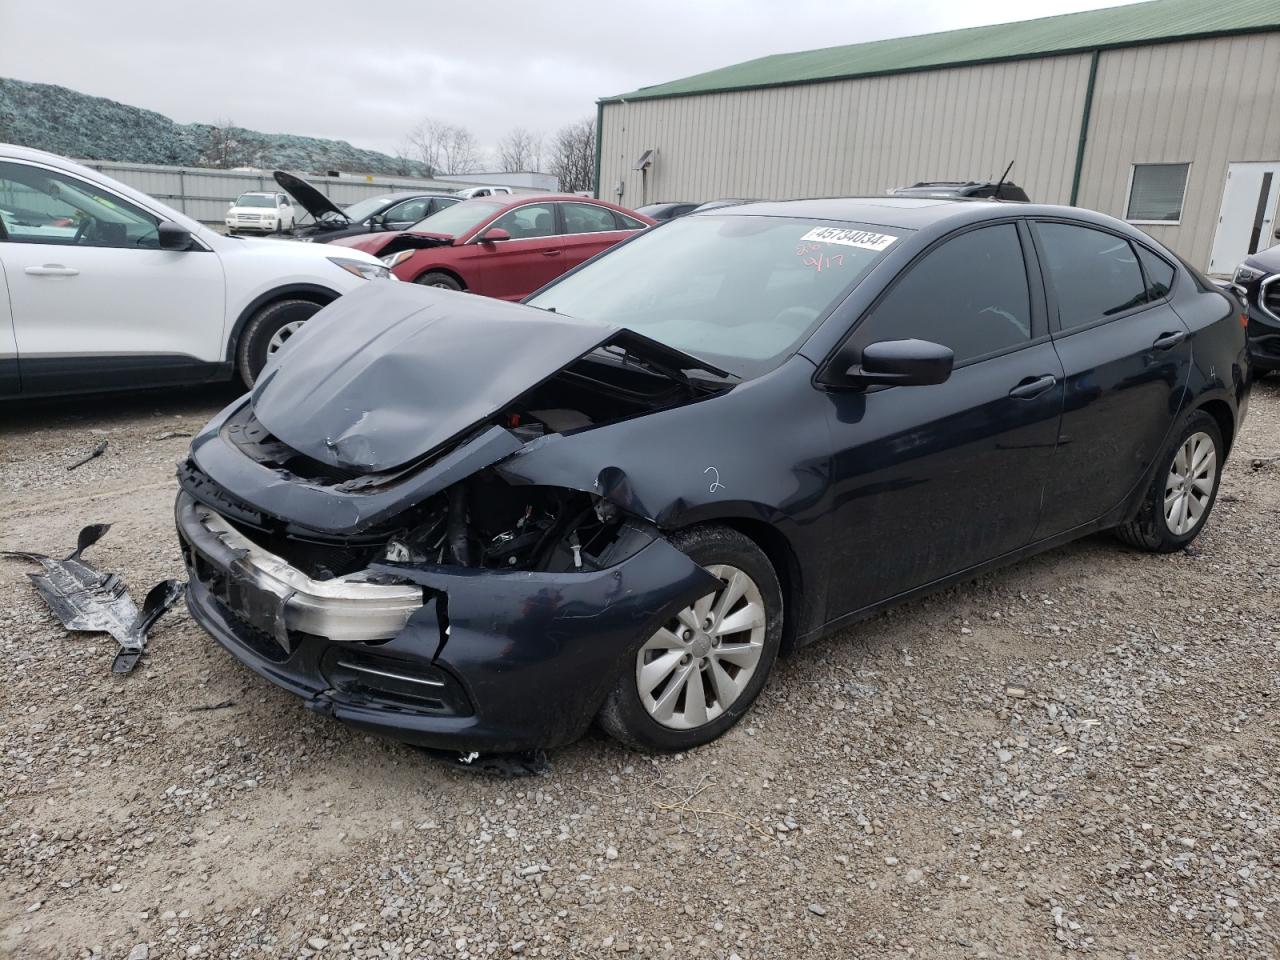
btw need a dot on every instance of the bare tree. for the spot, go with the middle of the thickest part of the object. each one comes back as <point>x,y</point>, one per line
<point>520,150</point>
<point>573,156</point>
<point>225,147</point>
<point>404,164</point>
<point>443,148</point>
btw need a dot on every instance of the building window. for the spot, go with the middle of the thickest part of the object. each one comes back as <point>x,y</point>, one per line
<point>1156,191</point>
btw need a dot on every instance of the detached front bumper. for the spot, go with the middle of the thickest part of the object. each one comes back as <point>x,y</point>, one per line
<point>486,660</point>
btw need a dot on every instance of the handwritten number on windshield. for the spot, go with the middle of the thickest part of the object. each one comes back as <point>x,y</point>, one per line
<point>814,257</point>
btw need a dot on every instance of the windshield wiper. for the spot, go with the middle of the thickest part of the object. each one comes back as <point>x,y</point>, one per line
<point>669,370</point>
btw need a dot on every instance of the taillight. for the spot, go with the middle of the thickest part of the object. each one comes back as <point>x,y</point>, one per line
<point>1244,320</point>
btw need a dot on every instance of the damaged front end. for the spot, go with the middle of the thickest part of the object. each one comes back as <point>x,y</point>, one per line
<point>350,535</point>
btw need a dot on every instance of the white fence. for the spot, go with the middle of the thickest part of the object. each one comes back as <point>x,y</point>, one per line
<point>204,194</point>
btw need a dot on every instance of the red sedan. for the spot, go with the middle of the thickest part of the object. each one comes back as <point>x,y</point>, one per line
<point>504,247</point>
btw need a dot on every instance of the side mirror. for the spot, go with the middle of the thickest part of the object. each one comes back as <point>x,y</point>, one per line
<point>170,236</point>
<point>494,235</point>
<point>900,363</point>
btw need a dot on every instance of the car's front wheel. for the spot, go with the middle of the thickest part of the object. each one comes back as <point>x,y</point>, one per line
<point>1183,490</point>
<point>435,278</point>
<point>700,671</point>
<point>268,331</point>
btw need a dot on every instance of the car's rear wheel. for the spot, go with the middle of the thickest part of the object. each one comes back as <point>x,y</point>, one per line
<point>1183,490</point>
<point>699,672</point>
<point>434,278</point>
<point>268,331</point>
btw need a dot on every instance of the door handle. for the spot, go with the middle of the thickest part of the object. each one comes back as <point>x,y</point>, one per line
<point>1032,387</point>
<point>552,253</point>
<point>1167,341</point>
<point>53,270</point>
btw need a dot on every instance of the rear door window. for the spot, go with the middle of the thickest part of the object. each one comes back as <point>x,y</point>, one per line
<point>1094,275</point>
<point>969,294</point>
<point>585,218</point>
<point>1158,273</point>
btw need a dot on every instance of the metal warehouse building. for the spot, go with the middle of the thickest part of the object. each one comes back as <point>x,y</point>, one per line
<point>1165,113</point>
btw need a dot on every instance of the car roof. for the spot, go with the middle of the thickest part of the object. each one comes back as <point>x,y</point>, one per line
<point>910,213</point>
<point>410,194</point>
<point>507,201</point>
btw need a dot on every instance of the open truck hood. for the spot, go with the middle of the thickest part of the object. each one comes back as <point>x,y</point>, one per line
<point>394,371</point>
<point>310,199</point>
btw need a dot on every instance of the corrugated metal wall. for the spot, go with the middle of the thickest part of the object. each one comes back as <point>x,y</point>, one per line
<point>1206,102</point>
<point>204,194</point>
<point>853,136</point>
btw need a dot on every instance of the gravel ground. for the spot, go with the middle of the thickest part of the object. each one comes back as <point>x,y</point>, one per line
<point>1074,754</point>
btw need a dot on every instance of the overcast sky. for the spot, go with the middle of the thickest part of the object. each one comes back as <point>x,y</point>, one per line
<point>367,72</point>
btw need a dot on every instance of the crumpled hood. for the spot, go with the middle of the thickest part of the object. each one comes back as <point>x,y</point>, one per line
<point>391,371</point>
<point>368,242</point>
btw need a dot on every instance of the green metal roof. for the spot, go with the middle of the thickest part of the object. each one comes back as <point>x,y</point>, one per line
<point>1134,24</point>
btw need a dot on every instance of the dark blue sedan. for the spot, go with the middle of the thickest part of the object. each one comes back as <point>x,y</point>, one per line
<point>485,525</point>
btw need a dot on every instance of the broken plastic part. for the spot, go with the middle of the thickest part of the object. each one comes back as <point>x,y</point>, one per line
<point>97,451</point>
<point>85,599</point>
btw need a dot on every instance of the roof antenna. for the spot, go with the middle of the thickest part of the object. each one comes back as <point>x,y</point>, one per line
<point>1003,177</point>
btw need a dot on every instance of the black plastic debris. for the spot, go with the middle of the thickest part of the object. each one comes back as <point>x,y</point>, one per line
<point>85,599</point>
<point>508,766</point>
<point>97,451</point>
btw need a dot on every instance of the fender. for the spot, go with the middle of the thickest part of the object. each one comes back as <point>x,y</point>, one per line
<point>307,291</point>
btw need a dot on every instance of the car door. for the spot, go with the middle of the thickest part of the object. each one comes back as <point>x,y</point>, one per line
<point>928,481</point>
<point>1127,357</point>
<point>588,229</point>
<point>95,302</point>
<point>514,268</point>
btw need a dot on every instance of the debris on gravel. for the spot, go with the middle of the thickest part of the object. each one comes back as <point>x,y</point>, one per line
<point>1072,755</point>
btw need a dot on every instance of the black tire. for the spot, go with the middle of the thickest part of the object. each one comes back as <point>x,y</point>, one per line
<point>1149,530</point>
<point>1261,373</point>
<point>624,716</point>
<point>251,355</point>
<point>434,278</point>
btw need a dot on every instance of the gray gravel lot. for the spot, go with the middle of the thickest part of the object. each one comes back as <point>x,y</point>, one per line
<point>1074,754</point>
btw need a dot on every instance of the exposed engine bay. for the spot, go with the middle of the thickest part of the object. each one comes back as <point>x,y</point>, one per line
<point>482,520</point>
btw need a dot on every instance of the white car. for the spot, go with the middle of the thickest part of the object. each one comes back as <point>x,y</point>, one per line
<point>260,213</point>
<point>104,288</point>
<point>470,193</point>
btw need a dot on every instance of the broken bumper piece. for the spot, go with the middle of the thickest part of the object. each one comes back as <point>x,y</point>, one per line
<point>84,599</point>
<point>490,661</point>
<point>280,600</point>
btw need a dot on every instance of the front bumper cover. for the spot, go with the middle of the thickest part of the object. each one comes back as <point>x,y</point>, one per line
<point>492,661</point>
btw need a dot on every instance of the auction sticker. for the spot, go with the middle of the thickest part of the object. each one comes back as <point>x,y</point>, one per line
<point>850,238</point>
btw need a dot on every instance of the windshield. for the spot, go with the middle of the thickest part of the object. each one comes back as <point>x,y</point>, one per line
<point>458,218</point>
<point>367,207</point>
<point>256,200</point>
<point>742,292</point>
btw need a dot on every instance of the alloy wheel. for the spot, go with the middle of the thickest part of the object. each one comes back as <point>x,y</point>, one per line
<point>698,664</point>
<point>279,338</point>
<point>1189,486</point>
